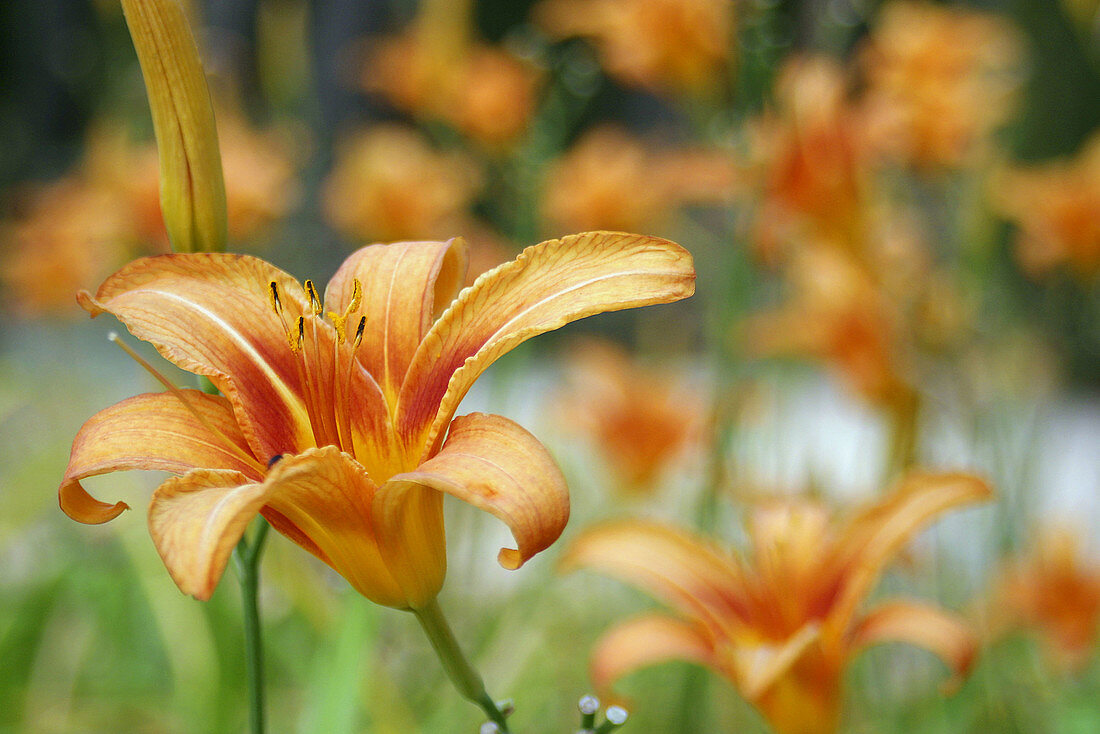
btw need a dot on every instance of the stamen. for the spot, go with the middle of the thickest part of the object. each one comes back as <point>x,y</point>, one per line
<point>179,395</point>
<point>338,323</point>
<point>356,297</point>
<point>359,333</point>
<point>276,304</point>
<point>296,341</point>
<point>314,300</point>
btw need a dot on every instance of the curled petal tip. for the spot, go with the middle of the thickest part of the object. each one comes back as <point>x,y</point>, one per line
<point>510,558</point>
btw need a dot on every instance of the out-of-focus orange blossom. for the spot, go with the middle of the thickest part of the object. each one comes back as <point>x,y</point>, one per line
<point>389,184</point>
<point>642,420</point>
<point>1054,591</point>
<point>664,45</point>
<point>435,70</point>
<point>939,80</point>
<point>1056,208</point>
<point>808,161</point>
<point>782,624</point>
<point>612,180</point>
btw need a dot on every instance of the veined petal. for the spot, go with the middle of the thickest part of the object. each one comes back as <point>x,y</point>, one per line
<point>406,286</point>
<point>874,537</point>
<point>211,314</point>
<point>546,287</point>
<point>682,570</point>
<point>759,664</point>
<point>645,641</point>
<point>320,499</point>
<point>195,520</point>
<point>152,431</point>
<point>937,630</point>
<point>496,466</point>
<point>326,495</point>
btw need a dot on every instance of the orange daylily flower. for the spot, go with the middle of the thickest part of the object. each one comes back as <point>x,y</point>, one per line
<point>437,70</point>
<point>1056,592</point>
<point>612,180</point>
<point>939,81</point>
<point>810,161</point>
<point>341,432</point>
<point>640,418</point>
<point>660,44</point>
<point>388,183</point>
<point>1056,206</point>
<point>782,624</point>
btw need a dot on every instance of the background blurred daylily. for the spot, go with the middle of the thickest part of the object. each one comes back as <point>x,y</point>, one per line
<point>782,625</point>
<point>334,429</point>
<point>1055,591</point>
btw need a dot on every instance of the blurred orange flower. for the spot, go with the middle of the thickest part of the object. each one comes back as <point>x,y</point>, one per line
<point>939,80</point>
<point>260,171</point>
<point>666,45</point>
<point>1056,207</point>
<point>1056,592</point>
<point>838,314</point>
<point>808,160</point>
<point>65,236</point>
<point>436,71</point>
<point>612,180</point>
<point>641,419</point>
<point>388,183</point>
<point>335,432</point>
<point>782,625</point>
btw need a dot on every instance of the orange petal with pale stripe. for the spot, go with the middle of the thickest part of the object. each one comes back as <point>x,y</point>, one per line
<point>320,499</point>
<point>196,520</point>
<point>937,630</point>
<point>210,314</point>
<point>152,431</point>
<point>406,286</point>
<point>876,536</point>
<point>497,466</point>
<point>683,570</point>
<point>644,641</point>
<point>758,665</point>
<point>546,287</point>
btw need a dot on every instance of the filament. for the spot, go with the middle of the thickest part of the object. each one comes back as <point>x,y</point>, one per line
<point>179,395</point>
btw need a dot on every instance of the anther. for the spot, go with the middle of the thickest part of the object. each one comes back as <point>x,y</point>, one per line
<point>297,344</point>
<point>314,300</point>
<point>273,296</point>
<point>359,331</point>
<point>274,460</point>
<point>338,323</point>
<point>356,297</point>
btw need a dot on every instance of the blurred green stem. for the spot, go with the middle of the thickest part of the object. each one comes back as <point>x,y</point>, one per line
<point>458,668</point>
<point>904,434</point>
<point>246,559</point>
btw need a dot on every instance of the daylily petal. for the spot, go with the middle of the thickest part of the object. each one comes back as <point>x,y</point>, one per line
<point>683,570</point>
<point>406,286</point>
<point>327,495</point>
<point>937,630</point>
<point>497,466</point>
<point>210,314</point>
<point>644,641</point>
<point>195,520</point>
<point>874,537</point>
<point>152,431</point>
<point>320,499</point>
<point>757,666</point>
<point>546,287</point>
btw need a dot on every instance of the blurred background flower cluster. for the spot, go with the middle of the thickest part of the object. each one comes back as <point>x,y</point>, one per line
<point>894,209</point>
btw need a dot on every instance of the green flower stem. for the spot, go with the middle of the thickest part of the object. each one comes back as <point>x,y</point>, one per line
<point>458,668</point>
<point>246,559</point>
